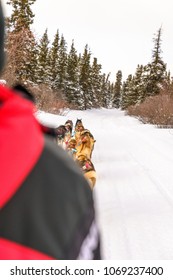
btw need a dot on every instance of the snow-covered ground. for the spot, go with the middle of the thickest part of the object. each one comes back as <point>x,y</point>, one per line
<point>134,189</point>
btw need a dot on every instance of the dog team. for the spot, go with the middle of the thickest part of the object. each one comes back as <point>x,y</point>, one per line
<point>79,144</point>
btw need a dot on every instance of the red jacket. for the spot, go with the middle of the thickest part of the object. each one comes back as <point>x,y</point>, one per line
<point>46,206</point>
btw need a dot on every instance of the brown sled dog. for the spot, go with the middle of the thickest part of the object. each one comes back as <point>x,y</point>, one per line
<point>85,145</point>
<point>88,169</point>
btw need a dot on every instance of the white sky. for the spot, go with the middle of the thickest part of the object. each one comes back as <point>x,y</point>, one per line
<point>118,32</point>
<point>134,188</point>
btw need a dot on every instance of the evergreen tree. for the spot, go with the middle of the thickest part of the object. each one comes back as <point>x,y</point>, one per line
<point>96,79</point>
<point>21,41</point>
<point>105,92</point>
<point>61,66</point>
<point>22,15</point>
<point>85,79</point>
<point>42,66</point>
<point>53,58</point>
<point>117,90</point>
<point>109,93</point>
<point>156,69</point>
<point>126,93</point>
<point>138,86</point>
<point>102,97</point>
<point>21,56</point>
<point>72,77</point>
<point>30,62</point>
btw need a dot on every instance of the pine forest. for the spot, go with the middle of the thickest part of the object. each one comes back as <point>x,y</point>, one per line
<point>59,78</point>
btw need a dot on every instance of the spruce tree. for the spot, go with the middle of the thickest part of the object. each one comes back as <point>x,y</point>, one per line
<point>53,58</point>
<point>148,79</point>
<point>21,41</point>
<point>156,69</point>
<point>102,98</point>
<point>105,92</point>
<point>117,90</point>
<point>22,15</point>
<point>42,66</point>
<point>85,79</point>
<point>126,93</point>
<point>96,79</point>
<point>109,93</point>
<point>61,66</point>
<point>72,77</point>
<point>137,86</point>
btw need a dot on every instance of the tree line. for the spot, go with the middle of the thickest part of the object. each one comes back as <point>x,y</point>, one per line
<point>76,79</point>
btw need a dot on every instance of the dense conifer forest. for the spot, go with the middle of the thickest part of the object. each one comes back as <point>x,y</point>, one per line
<point>60,78</point>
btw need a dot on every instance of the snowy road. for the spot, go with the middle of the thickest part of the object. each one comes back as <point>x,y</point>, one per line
<point>134,190</point>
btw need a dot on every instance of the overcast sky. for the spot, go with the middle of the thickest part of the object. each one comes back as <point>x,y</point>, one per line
<point>118,32</point>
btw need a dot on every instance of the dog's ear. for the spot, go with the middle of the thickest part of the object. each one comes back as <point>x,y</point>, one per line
<point>78,122</point>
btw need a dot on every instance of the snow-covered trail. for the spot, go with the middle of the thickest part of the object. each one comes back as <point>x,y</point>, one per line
<point>134,190</point>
